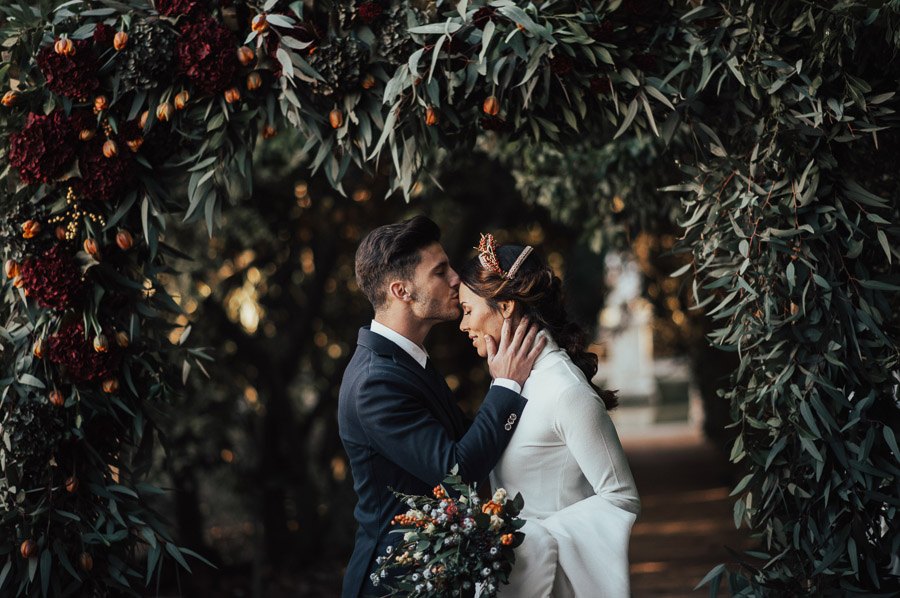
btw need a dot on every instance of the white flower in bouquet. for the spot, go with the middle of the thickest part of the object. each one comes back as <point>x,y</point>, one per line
<point>496,523</point>
<point>429,529</point>
<point>500,496</point>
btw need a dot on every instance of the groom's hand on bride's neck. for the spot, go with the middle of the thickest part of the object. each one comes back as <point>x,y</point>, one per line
<point>514,357</point>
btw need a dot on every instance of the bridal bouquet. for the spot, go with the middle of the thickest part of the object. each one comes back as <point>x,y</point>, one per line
<point>452,541</point>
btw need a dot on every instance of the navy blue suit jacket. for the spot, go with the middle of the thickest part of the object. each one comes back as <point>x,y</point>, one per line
<point>402,429</point>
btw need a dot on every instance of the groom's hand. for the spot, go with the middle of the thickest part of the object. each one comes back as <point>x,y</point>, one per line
<point>517,352</point>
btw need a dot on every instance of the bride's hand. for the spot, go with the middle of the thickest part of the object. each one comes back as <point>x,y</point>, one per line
<point>517,352</point>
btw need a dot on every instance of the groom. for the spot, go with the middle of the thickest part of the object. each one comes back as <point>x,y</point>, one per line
<point>398,420</point>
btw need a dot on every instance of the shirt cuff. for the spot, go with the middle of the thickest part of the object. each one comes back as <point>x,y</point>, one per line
<point>507,383</point>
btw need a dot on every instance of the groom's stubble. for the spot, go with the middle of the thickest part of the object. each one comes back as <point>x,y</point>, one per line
<point>432,309</point>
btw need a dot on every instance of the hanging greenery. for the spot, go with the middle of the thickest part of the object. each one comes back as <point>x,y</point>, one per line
<point>119,116</point>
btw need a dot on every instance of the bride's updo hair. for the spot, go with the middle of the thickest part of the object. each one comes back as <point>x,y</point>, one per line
<point>538,294</point>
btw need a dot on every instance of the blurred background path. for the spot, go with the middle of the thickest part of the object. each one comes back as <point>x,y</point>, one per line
<point>686,518</point>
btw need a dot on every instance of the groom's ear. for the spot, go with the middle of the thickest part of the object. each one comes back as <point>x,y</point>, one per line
<point>507,308</point>
<point>399,289</point>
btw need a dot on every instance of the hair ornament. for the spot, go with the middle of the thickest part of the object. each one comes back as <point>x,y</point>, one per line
<point>518,263</point>
<point>487,255</point>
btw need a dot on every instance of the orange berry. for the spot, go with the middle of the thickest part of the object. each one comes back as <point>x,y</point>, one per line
<point>368,82</point>
<point>259,23</point>
<point>164,111</point>
<point>336,118</point>
<point>64,46</point>
<point>92,248</point>
<point>120,41</point>
<point>431,116</point>
<point>71,484</point>
<point>110,385</point>
<point>28,549</point>
<point>232,95</point>
<point>10,98</point>
<point>254,81</point>
<point>86,561</point>
<point>100,104</point>
<point>124,240</point>
<point>11,268</point>
<point>101,343</point>
<point>87,134</point>
<point>56,398</point>
<point>269,131</point>
<point>491,106</point>
<point>245,55</point>
<point>122,339</point>
<point>30,229</point>
<point>181,99</point>
<point>110,149</point>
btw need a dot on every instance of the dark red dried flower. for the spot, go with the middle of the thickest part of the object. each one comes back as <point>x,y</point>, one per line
<point>603,32</point>
<point>102,178</point>
<point>72,76</point>
<point>69,349</point>
<point>81,119</point>
<point>175,8</point>
<point>206,54</point>
<point>601,85</point>
<point>44,148</point>
<point>645,62</point>
<point>103,35</point>
<point>483,15</point>
<point>561,65</point>
<point>52,279</point>
<point>370,11</point>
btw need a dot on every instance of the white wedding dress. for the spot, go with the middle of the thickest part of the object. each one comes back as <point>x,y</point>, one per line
<point>580,497</point>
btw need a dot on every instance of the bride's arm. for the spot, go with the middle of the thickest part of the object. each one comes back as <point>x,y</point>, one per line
<point>582,422</point>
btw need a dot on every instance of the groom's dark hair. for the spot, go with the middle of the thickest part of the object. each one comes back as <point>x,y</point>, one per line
<point>392,250</point>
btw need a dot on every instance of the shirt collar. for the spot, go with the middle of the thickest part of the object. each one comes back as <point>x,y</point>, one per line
<point>415,351</point>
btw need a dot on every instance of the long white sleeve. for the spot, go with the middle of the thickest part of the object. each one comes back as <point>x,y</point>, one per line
<point>583,424</point>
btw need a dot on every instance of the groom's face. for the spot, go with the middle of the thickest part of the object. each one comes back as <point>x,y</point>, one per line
<point>435,286</point>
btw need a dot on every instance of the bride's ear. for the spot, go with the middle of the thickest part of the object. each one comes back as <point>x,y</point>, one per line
<point>507,308</point>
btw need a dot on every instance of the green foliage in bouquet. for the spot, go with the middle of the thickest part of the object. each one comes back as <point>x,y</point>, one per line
<point>451,542</point>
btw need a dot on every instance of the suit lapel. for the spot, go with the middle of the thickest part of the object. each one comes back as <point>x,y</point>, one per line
<point>436,390</point>
<point>437,393</point>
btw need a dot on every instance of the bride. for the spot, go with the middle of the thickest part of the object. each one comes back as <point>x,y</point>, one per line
<point>565,458</point>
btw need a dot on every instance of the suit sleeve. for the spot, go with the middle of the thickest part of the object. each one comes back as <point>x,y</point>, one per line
<point>401,428</point>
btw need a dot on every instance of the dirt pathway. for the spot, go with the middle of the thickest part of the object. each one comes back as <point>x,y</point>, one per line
<point>686,519</point>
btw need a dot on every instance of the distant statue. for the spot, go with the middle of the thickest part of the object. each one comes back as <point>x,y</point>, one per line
<point>627,317</point>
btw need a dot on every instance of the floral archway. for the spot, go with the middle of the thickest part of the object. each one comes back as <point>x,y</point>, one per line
<point>118,116</point>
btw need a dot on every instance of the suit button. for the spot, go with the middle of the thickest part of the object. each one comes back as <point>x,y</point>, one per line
<point>513,417</point>
<point>508,426</point>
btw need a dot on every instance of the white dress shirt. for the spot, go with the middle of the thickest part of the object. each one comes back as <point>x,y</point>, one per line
<point>420,355</point>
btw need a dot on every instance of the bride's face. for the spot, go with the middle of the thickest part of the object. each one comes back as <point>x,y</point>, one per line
<point>478,319</point>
